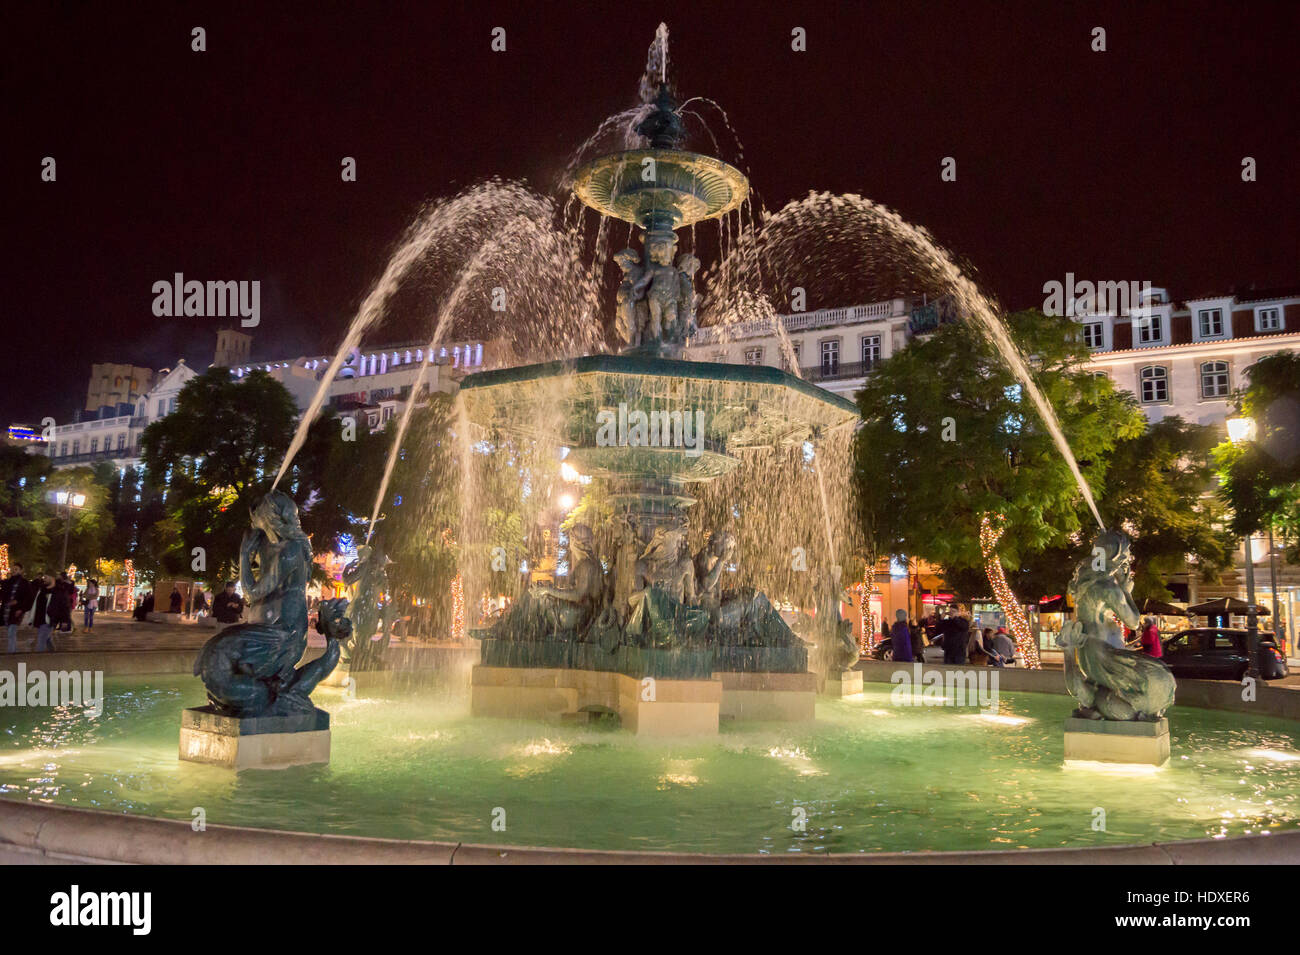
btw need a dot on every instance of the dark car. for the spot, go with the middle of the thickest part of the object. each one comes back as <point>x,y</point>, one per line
<point>1216,653</point>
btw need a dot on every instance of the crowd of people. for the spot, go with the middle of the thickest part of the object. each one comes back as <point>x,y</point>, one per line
<point>45,601</point>
<point>961,642</point>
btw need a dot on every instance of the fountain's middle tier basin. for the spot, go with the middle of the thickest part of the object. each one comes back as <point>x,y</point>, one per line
<point>654,417</point>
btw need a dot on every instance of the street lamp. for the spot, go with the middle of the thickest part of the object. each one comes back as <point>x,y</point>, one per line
<point>67,500</point>
<point>1241,430</point>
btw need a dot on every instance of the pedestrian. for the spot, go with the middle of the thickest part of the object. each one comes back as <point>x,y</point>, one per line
<point>228,606</point>
<point>1151,639</point>
<point>956,638</point>
<point>16,595</point>
<point>200,603</point>
<point>89,603</point>
<point>61,601</point>
<point>41,616</point>
<point>176,599</point>
<point>918,641</point>
<point>1004,646</point>
<point>976,654</point>
<point>901,638</point>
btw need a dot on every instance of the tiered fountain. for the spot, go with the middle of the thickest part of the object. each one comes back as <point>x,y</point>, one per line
<point>648,630</point>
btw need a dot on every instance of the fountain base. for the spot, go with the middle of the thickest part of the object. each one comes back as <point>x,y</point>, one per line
<point>258,742</point>
<point>1112,741</point>
<point>844,683</point>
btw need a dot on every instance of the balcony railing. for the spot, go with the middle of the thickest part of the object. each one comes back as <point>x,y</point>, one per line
<point>839,371</point>
<point>799,322</point>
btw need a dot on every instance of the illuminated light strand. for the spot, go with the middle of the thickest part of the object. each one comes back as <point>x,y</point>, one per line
<point>863,590</point>
<point>457,608</point>
<point>990,534</point>
<point>130,583</point>
<point>4,561</point>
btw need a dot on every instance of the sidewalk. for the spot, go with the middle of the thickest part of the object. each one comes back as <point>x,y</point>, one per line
<point>118,631</point>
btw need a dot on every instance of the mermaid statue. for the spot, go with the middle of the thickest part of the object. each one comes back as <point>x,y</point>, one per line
<point>1106,680</point>
<point>248,669</point>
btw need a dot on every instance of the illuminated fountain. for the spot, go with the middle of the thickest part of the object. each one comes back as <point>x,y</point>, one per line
<point>647,629</point>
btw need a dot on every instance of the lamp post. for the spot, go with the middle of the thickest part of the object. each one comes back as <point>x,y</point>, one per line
<point>67,500</point>
<point>1241,430</point>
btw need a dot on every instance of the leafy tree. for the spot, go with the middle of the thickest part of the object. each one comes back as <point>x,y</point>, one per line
<point>948,440</point>
<point>1260,477</point>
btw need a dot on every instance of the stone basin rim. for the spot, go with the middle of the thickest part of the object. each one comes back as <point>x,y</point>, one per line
<point>639,365</point>
<point>33,832</point>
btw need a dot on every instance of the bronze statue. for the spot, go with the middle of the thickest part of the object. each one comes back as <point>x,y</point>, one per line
<point>1107,681</point>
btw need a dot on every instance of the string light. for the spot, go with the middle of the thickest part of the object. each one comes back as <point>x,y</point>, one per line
<point>130,582</point>
<point>990,533</point>
<point>863,590</point>
<point>457,608</point>
<point>4,561</point>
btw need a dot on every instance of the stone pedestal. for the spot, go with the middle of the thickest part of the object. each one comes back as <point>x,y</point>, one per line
<point>787,697</point>
<point>844,683</point>
<point>1111,741</point>
<point>259,742</point>
<point>677,707</point>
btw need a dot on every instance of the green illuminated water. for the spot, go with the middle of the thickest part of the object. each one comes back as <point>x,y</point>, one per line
<point>870,776</point>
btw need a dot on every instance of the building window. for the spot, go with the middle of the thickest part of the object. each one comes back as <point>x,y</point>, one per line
<point>1155,384</point>
<point>94,445</point>
<point>870,352</point>
<point>162,407</point>
<point>1151,329</point>
<point>121,441</point>
<point>830,356</point>
<point>76,447</point>
<point>1210,321</point>
<point>1268,319</point>
<point>1094,335</point>
<point>171,405</point>
<point>753,356</point>
<point>1214,379</point>
<point>63,449</point>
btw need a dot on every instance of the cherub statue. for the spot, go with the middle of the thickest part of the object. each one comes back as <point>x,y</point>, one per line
<point>660,283</point>
<point>687,266</point>
<point>627,321</point>
<point>1108,682</point>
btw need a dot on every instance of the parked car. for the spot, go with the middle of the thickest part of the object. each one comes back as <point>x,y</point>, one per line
<point>1217,653</point>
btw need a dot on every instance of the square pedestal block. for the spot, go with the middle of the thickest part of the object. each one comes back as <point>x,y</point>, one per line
<point>847,683</point>
<point>260,742</point>
<point>1111,741</point>
<point>783,697</point>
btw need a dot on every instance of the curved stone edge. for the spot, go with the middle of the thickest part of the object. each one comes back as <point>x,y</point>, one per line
<point>32,833</point>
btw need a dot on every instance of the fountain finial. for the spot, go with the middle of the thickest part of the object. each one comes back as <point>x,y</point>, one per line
<point>663,127</point>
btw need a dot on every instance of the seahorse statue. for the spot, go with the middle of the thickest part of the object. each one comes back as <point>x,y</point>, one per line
<point>1108,682</point>
<point>248,668</point>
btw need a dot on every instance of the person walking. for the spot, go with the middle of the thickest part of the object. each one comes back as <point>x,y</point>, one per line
<point>16,596</point>
<point>61,601</point>
<point>89,602</point>
<point>900,636</point>
<point>41,617</point>
<point>1150,639</point>
<point>200,604</point>
<point>175,600</point>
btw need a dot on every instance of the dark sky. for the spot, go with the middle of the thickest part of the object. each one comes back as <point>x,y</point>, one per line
<point>225,164</point>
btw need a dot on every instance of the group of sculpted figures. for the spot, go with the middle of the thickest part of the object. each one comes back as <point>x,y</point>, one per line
<point>655,595</point>
<point>656,298</point>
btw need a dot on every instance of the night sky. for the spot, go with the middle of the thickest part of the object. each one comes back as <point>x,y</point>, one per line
<point>225,164</point>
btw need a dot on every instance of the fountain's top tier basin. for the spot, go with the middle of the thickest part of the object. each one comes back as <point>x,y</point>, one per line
<point>660,188</point>
<point>654,418</point>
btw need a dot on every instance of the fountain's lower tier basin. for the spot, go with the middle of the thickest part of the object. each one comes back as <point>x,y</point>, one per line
<point>648,706</point>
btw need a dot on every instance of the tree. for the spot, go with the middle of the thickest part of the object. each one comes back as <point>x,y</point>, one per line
<point>1260,477</point>
<point>950,448</point>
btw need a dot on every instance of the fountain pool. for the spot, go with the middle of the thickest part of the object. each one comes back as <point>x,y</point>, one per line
<point>868,775</point>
